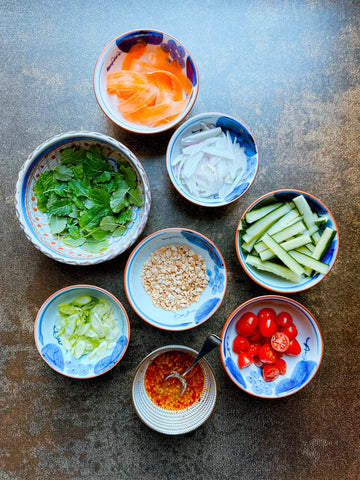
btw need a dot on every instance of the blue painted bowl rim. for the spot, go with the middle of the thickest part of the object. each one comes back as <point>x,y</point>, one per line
<point>176,135</point>
<point>267,298</point>
<point>52,297</point>
<point>294,288</point>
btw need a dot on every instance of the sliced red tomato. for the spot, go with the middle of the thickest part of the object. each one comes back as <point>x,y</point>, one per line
<point>267,327</point>
<point>240,344</point>
<point>268,313</point>
<point>294,348</point>
<point>258,362</point>
<point>247,324</point>
<point>254,348</point>
<point>280,342</point>
<point>284,319</point>
<point>245,359</point>
<point>256,336</point>
<point>281,365</point>
<point>270,373</point>
<point>267,354</point>
<point>290,331</point>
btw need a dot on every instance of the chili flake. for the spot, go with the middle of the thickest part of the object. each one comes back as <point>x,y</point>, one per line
<point>166,395</point>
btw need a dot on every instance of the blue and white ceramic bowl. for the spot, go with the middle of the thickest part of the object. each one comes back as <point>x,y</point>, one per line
<point>273,282</point>
<point>238,131</point>
<point>36,223</point>
<point>50,346</point>
<point>210,299</point>
<point>300,369</point>
<point>173,422</point>
<point>111,60</point>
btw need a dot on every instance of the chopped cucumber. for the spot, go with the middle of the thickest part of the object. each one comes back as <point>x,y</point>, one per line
<point>258,213</point>
<point>309,262</point>
<point>274,268</point>
<point>291,244</point>
<point>260,226</point>
<point>323,243</point>
<point>282,254</point>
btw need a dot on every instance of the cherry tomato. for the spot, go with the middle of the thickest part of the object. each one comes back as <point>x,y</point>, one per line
<point>247,324</point>
<point>267,327</point>
<point>294,348</point>
<point>284,319</point>
<point>267,313</point>
<point>281,365</point>
<point>245,359</point>
<point>290,331</point>
<point>280,342</point>
<point>256,336</point>
<point>254,348</point>
<point>270,373</point>
<point>267,354</point>
<point>240,344</point>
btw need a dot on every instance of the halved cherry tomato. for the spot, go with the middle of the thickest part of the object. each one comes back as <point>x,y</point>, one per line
<point>281,365</point>
<point>267,327</point>
<point>268,313</point>
<point>270,373</point>
<point>284,319</point>
<point>245,359</point>
<point>254,348</point>
<point>290,331</point>
<point>240,344</point>
<point>267,354</point>
<point>294,348</point>
<point>258,362</point>
<point>280,342</point>
<point>247,324</point>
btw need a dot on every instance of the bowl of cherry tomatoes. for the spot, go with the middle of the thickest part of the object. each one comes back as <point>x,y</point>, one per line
<point>271,346</point>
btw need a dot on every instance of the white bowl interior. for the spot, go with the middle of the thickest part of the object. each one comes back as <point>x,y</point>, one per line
<point>35,223</point>
<point>53,352</point>
<point>111,60</point>
<point>196,313</point>
<point>271,281</point>
<point>236,130</point>
<point>300,369</point>
<point>173,422</point>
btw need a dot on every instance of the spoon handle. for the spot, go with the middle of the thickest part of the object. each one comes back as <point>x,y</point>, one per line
<point>210,343</point>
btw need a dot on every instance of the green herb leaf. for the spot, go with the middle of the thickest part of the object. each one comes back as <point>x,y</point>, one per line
<point>57,224</point>
<point>118,199</point>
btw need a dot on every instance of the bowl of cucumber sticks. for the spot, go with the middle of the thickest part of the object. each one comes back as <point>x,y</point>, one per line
<point>287,241</point>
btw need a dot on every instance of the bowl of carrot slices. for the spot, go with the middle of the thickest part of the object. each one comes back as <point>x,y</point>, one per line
<point>145,81</point>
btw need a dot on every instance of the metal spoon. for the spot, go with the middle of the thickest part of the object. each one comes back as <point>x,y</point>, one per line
<point>210,343</point>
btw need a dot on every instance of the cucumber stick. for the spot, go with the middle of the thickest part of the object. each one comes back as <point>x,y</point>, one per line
<point>282,254</point>
<point>258,213</point>
<point>261,225</point>
<point>291,244</point>
<point>323,243</point>
<point>272,267</point>
<point>309,262</point>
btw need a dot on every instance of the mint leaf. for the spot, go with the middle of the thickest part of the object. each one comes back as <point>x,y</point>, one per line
<point>57,224</point>
<point>118,199</point>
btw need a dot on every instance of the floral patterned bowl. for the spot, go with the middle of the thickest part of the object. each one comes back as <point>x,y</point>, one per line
<point>300,370</point>
<point>36,223</point>
<point>111,60</point>
<point>51,348</point>
<point>238,132</point>
<point>190,316</point>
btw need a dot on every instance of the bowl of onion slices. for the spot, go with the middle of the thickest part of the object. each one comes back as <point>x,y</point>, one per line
<point>212,159</point>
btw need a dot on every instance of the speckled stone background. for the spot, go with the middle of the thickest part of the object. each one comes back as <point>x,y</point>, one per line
<point>290,71</point>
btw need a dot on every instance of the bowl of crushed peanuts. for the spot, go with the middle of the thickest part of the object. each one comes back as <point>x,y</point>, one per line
<point>175,279</point>
<point>158,403</point>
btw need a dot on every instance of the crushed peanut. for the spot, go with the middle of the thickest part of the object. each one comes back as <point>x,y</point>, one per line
<point>174,276</point>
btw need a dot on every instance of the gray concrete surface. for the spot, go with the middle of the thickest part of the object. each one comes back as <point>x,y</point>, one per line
<point>290,71</point>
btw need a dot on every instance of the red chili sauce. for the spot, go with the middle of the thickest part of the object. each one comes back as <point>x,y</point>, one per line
<point>167,394</point>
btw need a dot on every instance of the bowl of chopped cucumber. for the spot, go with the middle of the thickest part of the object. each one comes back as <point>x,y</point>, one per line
<point>82,331</point>
<point>287,241</point>
<point>82,198</point>
<point>212,159</point>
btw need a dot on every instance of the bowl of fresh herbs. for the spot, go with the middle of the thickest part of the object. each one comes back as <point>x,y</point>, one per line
<point>82,198</point>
